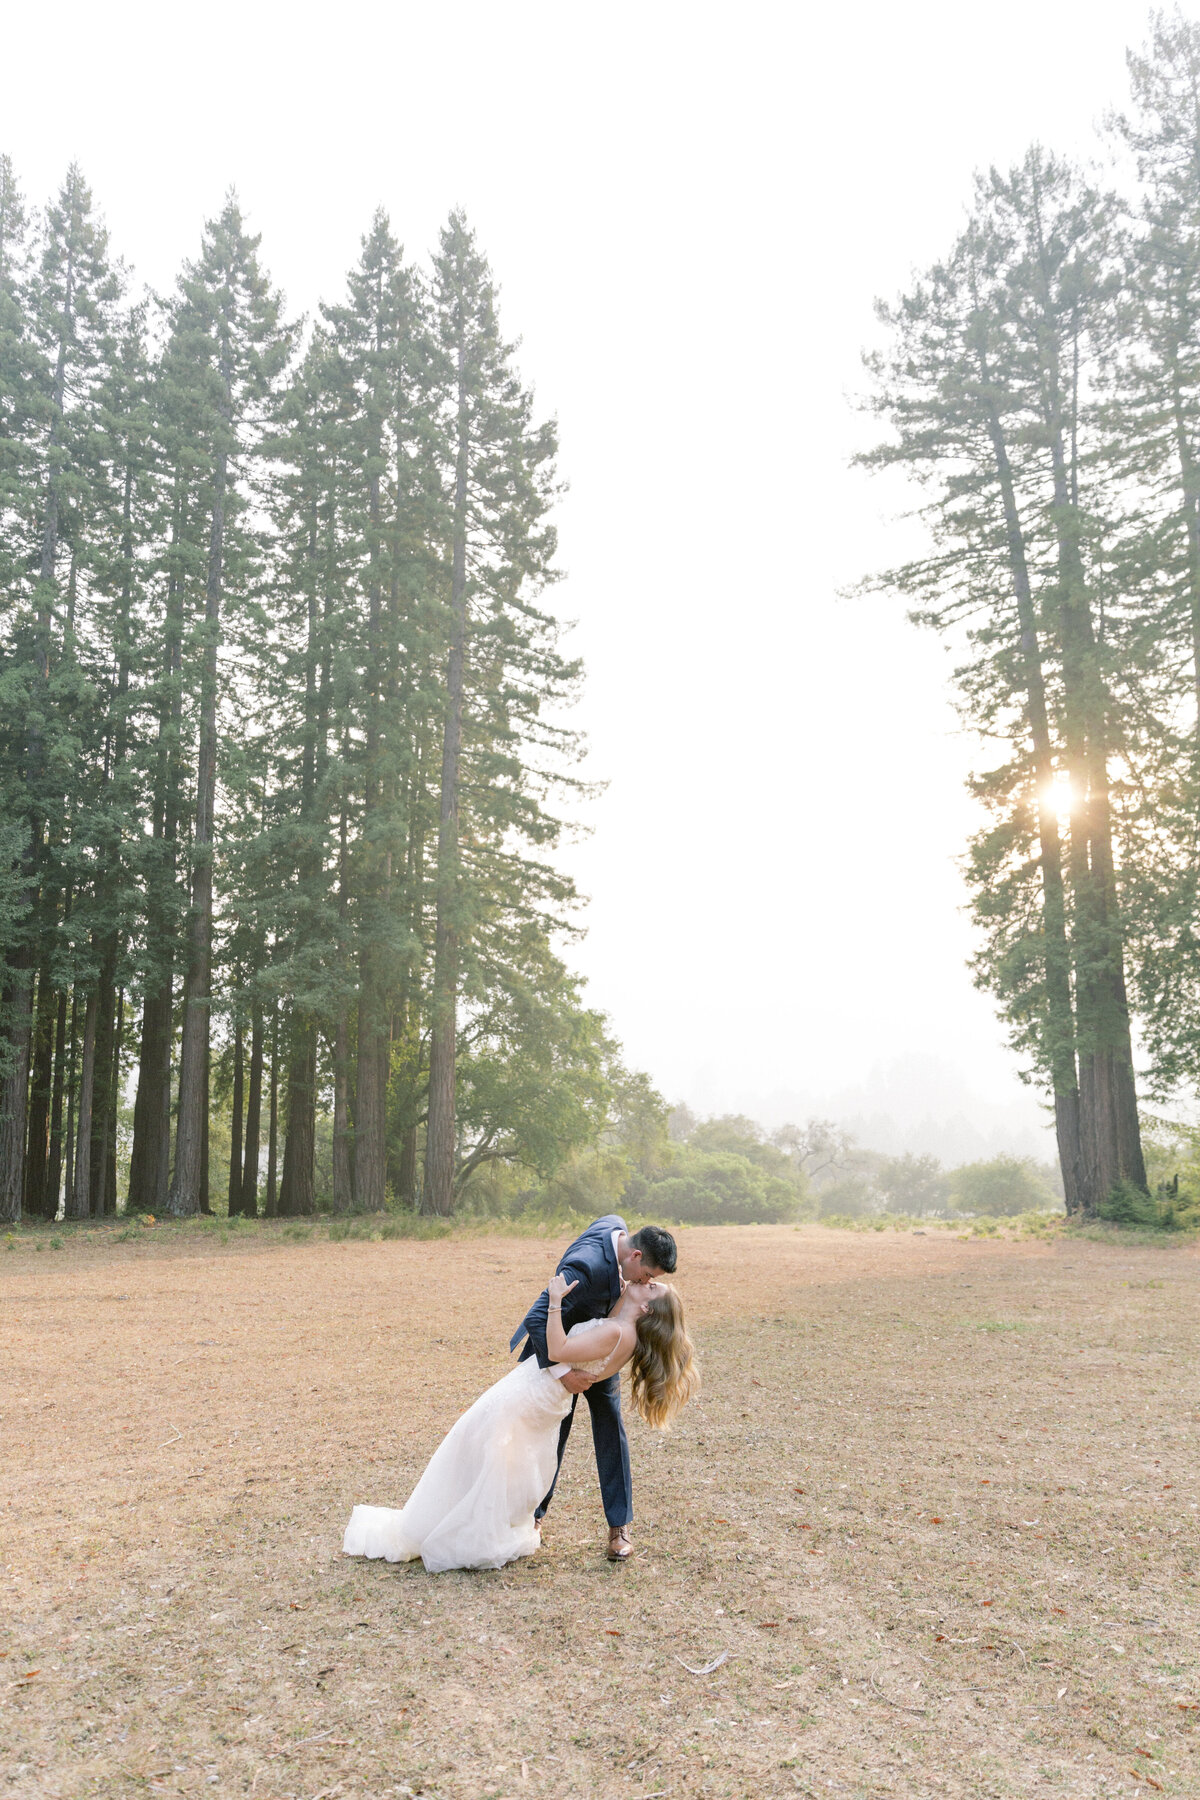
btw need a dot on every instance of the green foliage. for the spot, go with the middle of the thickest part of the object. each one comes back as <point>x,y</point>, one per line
<point>1129,1205</point>
<point>912,1184</point>
<point>850,1196</point>
<point>1001,1188</point>
<point>716,1187</point>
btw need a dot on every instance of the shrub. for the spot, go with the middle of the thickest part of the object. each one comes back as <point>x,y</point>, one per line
<point>912,1184</point>
<point>1001,1188</point>
<point>849,1198</point>
<point>715,1188</point>
<point>1128,1205</point>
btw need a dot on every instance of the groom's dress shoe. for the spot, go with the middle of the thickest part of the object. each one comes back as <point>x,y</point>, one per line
<point>619,1547</point>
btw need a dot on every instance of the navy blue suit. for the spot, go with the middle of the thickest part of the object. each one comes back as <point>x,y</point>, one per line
<point>592,1262</point>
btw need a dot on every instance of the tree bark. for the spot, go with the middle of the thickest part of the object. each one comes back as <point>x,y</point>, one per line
<point>54,1167</point>
<point>185,1194</point>
<point>271,1209</point>
<point>14,1089</point>
<point>296,1187</point>
<point>103,1095</point>
<point>150,1160</point>
<point>234,1204</point>
<point>72,1090</point>
<point>370,1087</point>
<point>249,1195</point>
<point>343,1168</point>
<point>1110,1136</point>
<point>79,1199</point>
<point>1060,1022</point>
<point>37,1153</point>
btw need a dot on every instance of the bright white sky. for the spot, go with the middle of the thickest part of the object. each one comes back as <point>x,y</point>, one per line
<point>690,209</point>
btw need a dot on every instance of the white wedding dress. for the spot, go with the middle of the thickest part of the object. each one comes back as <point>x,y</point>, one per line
<point>473,1507</point>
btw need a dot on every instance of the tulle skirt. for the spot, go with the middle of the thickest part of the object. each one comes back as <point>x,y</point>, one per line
<point>473,1507</point>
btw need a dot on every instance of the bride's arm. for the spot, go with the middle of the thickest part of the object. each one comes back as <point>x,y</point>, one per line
<point>599,1340</point>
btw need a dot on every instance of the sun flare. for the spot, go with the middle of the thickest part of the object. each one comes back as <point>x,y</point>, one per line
<point>1062,796</point>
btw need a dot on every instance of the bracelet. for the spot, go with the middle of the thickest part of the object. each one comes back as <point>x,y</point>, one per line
<point>554,1306</point>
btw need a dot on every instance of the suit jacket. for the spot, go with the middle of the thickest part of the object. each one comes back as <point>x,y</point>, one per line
<point>592,1262</point>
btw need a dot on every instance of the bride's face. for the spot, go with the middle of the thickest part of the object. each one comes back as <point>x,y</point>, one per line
<point>648,1291</point>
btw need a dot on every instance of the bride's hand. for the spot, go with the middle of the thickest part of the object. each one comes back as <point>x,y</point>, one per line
<point>558,1288</point>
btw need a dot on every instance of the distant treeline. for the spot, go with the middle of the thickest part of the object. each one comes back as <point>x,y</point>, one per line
<point>1041,384</point>
<point>280,734</point>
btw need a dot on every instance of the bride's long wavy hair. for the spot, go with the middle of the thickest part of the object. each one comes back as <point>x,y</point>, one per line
<point>663,1368</point>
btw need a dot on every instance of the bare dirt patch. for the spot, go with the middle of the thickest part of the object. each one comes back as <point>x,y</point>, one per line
<point>937,1505</point>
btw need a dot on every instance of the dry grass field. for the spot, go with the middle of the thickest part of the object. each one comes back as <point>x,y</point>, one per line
<point>937,1506</point>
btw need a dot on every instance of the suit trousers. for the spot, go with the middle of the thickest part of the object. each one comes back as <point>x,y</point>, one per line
<point>612,1451</point>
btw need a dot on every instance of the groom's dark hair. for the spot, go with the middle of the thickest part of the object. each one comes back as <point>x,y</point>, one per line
<point>657,1247</point>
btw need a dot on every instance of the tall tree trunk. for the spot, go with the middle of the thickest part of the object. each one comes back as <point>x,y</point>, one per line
<point>1060,1020</point>
<point>343,1141</point>
<point>54,1167</point>
<point>205,1134</point>
<point>438,1193</point>
<point>249,1196</point>
<point>37,1154</point>
<point>103,1095</point>
<point>272,1206</point>
<point>72,1094</point>
<point>150,1159</point>
<point>79,1200</point>
<point>188,1194</point>
<point>296,1187</point>
<point>370,1084</point>
<point>1110,1137</point>
<point>14,1087</point>
<point>235,1145</point>
<point>343,1170</point>
<point>110,1141</point>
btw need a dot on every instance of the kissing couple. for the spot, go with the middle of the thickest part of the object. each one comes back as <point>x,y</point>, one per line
<point>484,1493</point>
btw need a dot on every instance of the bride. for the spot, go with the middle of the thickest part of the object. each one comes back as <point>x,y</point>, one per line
<point>473,1507</point>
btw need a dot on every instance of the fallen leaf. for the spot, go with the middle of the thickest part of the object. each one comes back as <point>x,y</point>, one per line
<point>799,1490</point>
<point>30,1673</point>
<point>987,1603</point>
<point>940,1637</point>
<point>768,1624</point>
<point>1060,1610</point>
<point>612,1634</point>
<point>1148,1754</point>
<point>934,1520</point>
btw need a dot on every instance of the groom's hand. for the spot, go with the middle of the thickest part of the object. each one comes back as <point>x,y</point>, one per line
<point>576,1382</point>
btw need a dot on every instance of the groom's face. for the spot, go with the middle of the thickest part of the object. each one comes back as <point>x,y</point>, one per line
<point>636,1270</point>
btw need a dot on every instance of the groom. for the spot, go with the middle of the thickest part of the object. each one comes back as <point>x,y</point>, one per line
<point>602,1261</point>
